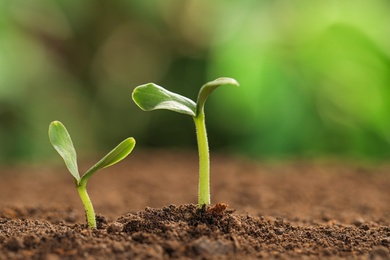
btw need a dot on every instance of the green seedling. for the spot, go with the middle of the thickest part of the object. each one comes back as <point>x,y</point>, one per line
<point>152,97</point>
<point>61,141</point>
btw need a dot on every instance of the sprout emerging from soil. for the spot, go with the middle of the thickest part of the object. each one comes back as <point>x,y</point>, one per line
<point>151,97</point>
<point>61,141</point>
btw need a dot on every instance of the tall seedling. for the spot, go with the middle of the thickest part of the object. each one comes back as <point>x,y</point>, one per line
<point>151,97</point>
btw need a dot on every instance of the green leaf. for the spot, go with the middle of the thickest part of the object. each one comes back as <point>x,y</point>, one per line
<point>61,141</point>
<point>151,97</point>
<point>116,155</point>
<point>209,87</point>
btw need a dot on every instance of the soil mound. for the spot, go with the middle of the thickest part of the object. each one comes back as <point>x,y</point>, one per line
<point>184,231</point>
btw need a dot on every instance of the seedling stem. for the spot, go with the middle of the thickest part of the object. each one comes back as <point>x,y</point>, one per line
<point>204,159</point>
<point>89,211</point>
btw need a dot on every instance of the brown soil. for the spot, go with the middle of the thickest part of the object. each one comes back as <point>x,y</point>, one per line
<point>295,210</point>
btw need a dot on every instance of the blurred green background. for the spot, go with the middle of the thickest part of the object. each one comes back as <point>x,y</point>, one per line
<point>314,75</point>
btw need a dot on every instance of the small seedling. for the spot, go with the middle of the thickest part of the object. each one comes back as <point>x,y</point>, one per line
<point>151,97</point>
<point>61,141</point>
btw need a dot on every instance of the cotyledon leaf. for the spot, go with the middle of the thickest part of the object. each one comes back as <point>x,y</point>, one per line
<point>209,87</point>
<point>151,97</point>
<point>61,141</point>
<point>114,156</point>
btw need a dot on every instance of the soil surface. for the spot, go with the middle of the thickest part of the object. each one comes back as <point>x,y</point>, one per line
<point>295,210</point>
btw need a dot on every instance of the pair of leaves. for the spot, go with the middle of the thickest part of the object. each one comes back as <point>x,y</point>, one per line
<point>148,97</point>
<point>151,97</point>
<point>61,141</point>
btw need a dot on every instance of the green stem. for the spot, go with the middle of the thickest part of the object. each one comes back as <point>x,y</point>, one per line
<point>204,160</point>
<point>89,211</point>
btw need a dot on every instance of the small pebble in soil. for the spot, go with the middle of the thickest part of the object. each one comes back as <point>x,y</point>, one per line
<point>205,246</point>
<point>358,222</point>
<point>115,227</point>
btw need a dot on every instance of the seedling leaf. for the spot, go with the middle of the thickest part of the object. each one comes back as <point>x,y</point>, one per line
<point>61,141</point>
<point>151,97</point>
<point>114,156</point>
<point>209,87</point>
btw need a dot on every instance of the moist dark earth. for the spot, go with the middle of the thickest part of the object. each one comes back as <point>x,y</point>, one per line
<point>146,210</point>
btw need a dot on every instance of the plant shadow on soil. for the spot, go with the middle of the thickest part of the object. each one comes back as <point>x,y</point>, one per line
<point>291,211</point>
